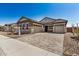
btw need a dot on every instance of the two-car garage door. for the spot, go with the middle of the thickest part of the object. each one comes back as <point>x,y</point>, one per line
<point>59,29</point>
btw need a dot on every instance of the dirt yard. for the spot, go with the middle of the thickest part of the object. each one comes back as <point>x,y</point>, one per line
<point>61,44</point>
<point>13,47</point>
<point>49,41</point>
<point>71,46</point>
<point>11,35</point>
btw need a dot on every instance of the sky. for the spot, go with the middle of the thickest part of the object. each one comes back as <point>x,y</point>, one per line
<point>11,12</point>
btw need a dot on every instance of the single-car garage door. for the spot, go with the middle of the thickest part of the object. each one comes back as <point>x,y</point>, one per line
<point>59,29</point>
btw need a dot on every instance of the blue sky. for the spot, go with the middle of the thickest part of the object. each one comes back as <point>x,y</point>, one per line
<point>10,13</point>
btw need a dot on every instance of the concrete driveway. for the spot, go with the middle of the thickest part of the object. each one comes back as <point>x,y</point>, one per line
<point>49,41</point>
<point>13,47</point>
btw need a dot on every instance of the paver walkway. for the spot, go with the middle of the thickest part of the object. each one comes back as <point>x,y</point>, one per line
<point>11,47</point>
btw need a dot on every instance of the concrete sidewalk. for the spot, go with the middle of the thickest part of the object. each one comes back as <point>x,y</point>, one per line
<point>12,47</point>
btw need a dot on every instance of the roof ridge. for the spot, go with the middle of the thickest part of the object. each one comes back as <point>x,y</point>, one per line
<point>50,18</point>
<point>46,18</point>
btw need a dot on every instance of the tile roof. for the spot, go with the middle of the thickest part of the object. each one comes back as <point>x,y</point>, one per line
<point>48,20</point>
<point>24,19</point>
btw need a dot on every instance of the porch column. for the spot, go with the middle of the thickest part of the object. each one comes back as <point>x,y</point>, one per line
<point>19,31</point>
<point>53,28</point>
<point>42,28</point>
<point>65,29</point>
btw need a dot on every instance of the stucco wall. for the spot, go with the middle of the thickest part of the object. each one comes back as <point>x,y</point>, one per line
<point>35,29</point>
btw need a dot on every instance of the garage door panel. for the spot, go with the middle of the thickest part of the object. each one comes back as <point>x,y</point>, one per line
<point>59,29</point>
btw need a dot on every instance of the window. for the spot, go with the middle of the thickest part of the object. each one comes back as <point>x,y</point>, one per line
<point>25,26</point>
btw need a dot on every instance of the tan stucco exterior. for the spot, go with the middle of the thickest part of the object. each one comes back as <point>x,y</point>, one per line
<point>56,26</point>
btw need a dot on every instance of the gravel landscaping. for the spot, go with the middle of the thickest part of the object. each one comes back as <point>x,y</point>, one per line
<point>71,46</point>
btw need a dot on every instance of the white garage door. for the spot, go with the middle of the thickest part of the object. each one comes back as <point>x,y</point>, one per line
<point>59,29</point>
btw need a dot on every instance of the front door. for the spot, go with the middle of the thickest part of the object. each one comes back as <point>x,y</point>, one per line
<point>46,28</point>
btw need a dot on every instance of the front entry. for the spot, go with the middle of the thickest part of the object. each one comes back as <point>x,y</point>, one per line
<point>46,28</point>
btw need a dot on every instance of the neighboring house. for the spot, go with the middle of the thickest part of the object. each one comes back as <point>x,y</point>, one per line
<point>54,25</point>
<point>10,27</point>
<point>27,25</point>
<point>1,28</point>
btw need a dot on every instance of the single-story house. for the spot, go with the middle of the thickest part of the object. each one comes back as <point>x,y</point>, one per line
<point>54,25</point>
<point>27,25</point>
